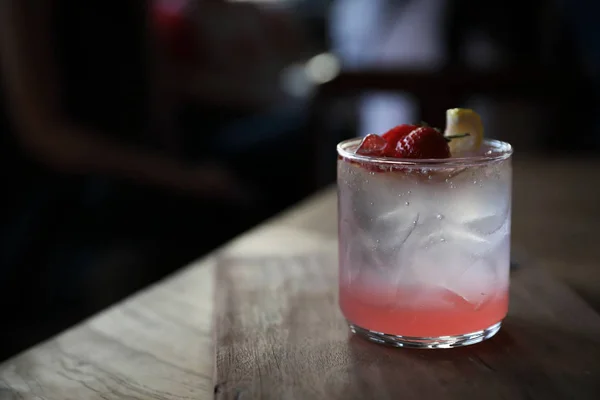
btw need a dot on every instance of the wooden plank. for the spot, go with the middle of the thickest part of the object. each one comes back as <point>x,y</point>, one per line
<point>155,345</point>
<point>280,335</point>
<point>556,218</point>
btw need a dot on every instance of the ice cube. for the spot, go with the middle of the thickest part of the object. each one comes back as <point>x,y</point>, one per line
<point>477,283</point>
<point>477,237</point>
<point>445,254</point>
<point>480,197</point>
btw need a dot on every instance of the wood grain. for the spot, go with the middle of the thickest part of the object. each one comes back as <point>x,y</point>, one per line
<point>280,336</point>
<point>556,219</point>
<point>155,345</point>
<point>158,343</point>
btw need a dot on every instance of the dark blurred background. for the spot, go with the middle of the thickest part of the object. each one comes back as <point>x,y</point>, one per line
<point>137,136</point>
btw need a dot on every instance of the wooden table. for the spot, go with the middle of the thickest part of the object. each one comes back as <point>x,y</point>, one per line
<point>158,343</point>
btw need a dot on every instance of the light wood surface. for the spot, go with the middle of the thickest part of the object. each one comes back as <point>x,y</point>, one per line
<point>158,344</point>
<point>280,336</point>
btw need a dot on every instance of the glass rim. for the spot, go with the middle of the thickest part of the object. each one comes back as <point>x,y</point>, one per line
<point>505,151</point>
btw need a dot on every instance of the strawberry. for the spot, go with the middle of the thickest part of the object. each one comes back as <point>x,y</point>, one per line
<point>372,145</point>
<point>424,142</point>
<point>395,134</point>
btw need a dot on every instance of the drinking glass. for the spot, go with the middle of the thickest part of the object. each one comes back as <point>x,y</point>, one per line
<point>424,246</point>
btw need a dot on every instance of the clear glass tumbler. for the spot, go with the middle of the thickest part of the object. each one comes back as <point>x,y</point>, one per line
<point>424,246</point>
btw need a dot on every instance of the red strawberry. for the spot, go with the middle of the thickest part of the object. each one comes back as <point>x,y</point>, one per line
<point>396,133</point>
<point>423,142</point>
<point>372,145</point>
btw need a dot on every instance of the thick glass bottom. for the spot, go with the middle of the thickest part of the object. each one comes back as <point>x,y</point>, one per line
<point>439,342</point>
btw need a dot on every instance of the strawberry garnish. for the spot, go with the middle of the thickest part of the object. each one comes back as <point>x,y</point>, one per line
<point>407,141</point>
<point>394,135</point>
<point>372,145</point>
<point>424,143</point>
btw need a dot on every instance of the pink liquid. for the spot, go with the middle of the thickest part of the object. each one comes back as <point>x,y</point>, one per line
<point>443,313</point>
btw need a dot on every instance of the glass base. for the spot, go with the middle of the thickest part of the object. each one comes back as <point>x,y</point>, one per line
<point>440,342</point>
